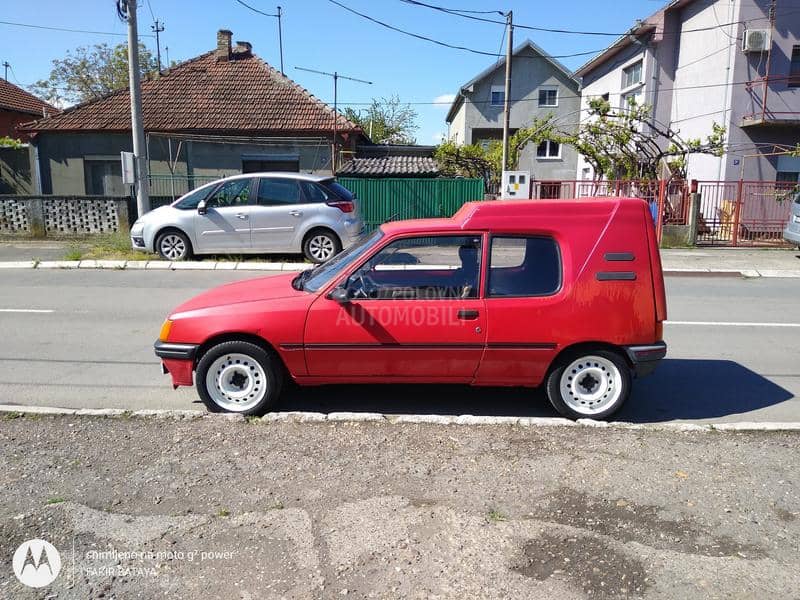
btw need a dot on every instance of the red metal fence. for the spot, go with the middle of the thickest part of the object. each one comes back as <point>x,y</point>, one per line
<point>731,213</point>
<point>744,213</point>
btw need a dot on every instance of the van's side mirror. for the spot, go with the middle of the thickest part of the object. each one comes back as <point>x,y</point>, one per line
<point>340,295</point>
<point>201,207</point>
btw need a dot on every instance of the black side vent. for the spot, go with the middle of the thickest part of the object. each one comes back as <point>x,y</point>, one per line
<point>616,276</point>
<point>619,256</point>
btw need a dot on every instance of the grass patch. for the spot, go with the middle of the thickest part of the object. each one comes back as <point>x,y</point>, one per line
<point>55,500</point>
<point>495,516</point>
<point>108,246</point>
<point>276,506</point>
<point>8,416</point>
<point>223,512</point>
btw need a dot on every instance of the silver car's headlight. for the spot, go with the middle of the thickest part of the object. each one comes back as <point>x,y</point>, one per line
<point>137,229</point>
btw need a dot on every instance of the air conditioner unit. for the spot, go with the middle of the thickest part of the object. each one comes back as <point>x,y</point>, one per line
<point>756,40</point>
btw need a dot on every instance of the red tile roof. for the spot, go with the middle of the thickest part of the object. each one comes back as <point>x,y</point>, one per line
<point>203,94</point>
<point>18,100</point>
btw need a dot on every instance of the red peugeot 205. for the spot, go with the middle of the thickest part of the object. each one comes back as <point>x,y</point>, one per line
<point>565,294</point>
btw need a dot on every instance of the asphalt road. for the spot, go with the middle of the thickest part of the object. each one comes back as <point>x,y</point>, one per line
<point>94,350</point>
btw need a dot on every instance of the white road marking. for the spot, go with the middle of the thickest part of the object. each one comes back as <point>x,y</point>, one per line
<point>731,324</point>
<point>26,310</point>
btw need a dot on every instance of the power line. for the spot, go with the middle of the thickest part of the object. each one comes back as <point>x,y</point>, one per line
<point>51,28</point>
<point>255,10</point>
<point>150,8</point>
<point>445,44</point>
<point>461,13</point>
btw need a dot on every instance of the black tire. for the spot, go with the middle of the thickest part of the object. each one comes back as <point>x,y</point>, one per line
<point>178,241</point>
<point>584,363</point>
<point>270,368</point>
<point>316,240</point>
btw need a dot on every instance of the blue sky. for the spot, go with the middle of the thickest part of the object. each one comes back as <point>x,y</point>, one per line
<point>320,35</point>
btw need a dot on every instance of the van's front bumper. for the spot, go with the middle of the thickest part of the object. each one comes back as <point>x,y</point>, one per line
<point>792,231</point>
<point>645,359</point>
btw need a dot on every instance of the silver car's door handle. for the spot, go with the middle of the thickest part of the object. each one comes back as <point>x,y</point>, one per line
<point>296,213</point>
<point>241,216</point>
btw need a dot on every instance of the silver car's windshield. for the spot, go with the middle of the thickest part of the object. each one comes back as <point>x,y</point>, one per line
<point>321,275</point>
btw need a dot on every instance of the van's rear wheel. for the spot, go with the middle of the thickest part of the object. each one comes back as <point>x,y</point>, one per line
<point>592,384</point>
<point>238,377</point>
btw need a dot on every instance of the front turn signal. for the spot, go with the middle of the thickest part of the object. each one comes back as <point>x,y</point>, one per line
<point>164,333</point>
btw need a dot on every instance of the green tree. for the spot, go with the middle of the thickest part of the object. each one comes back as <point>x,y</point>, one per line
<point>90,72</point>
<point>627,143</point>
<point>386,121</point>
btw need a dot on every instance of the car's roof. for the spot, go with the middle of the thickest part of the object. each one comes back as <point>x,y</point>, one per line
<point>515,214</point>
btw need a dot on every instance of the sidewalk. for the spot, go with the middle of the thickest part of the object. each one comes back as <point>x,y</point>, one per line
<point>215,508</point>
<point>749,262</point>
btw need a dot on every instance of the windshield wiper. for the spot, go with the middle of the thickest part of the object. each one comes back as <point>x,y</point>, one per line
<point>297,282</point>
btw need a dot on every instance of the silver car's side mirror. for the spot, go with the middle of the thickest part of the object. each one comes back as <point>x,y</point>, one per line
<point>201,207</point>
<point>340,295</point>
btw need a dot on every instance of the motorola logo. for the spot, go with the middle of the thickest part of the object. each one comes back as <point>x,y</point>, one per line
<point>36,563</point>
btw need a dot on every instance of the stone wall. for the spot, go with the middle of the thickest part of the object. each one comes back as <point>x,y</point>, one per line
<point>62,216</point>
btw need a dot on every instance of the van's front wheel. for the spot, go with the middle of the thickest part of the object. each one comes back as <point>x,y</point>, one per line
<point>592,384</point>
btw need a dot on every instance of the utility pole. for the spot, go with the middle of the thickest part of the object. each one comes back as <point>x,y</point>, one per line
<point>166,50</point>
<point>507,93</point>
<point>137,125</point>
<point>336,78</point>
<point>158,27</point>
<point>5,66</point>
<point>280,37</point>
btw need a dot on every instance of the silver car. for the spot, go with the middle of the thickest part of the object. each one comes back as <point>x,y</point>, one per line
<point>252,214</point>
<point>792,232</point>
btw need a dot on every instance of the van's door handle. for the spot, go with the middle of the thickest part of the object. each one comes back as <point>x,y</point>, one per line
<point>241,216</point>
<point>467,315</point>
<point>296,213</point>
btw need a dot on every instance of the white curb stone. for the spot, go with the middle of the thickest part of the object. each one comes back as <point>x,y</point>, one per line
<point>136,264</point>
<point>355,416</point>
<point>172,414</point>
<point>18,264</point>
<point>225,266</point>
<point>756,427</point>
<point>780,274</point>
<point>546,422</point>
<point>100,412</point>
<point>59,264</point>
<point>88,264</point>
<point>158,264</point>
<point>294,417</point>
<point>296,266</point>
<point>485,420</point>
<point>193,265</point>
<point>424,419</point>
<point>111,264</point>
<point>37,410</point>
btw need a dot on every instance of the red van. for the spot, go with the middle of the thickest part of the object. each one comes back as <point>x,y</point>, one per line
<point>566,294</point>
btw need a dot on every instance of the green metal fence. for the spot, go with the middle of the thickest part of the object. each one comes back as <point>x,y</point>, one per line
<point>382,200</point>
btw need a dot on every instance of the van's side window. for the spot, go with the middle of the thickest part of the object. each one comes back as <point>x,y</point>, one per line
<point>524,266</point>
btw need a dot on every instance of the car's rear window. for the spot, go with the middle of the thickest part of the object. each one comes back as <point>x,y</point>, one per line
<point>337,189</point>
<point>524,266</point>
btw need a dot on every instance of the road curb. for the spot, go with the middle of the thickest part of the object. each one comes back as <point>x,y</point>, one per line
<point>163,265</point>
<point>368,417</point>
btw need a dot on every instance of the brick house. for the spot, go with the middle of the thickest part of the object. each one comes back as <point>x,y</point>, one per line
<point>223,112</point>
<point>18,106</point>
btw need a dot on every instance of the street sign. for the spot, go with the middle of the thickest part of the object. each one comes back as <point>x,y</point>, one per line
<point>128,168</point>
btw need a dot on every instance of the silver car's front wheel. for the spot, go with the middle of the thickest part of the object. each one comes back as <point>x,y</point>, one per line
<point>173,245</point>
<point>321,246</point>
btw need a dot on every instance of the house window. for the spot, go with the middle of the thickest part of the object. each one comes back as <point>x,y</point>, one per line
<point>794,68</point>
<point>632,75</point>
<point>635,96</point>
<point>548,149</point>
<point>548,97</point>
<point>498,95</point>
<point>787,176</point>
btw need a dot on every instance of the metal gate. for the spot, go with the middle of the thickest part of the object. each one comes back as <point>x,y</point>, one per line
<point>744,213</point>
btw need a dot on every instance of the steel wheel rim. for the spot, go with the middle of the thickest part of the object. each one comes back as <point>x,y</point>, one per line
<point>591,384</point>
<point>321,247</point>
<point>236,382</point>
<point>173,247</point>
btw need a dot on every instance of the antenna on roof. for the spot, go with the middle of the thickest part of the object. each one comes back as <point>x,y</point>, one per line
<point>336,78</point>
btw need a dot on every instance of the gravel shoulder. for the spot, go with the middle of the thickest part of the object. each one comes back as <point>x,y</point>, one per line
<point>212,508</point>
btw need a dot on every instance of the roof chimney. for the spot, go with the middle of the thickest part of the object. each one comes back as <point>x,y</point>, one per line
<point>243,49</point>
<point>224,44</point>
